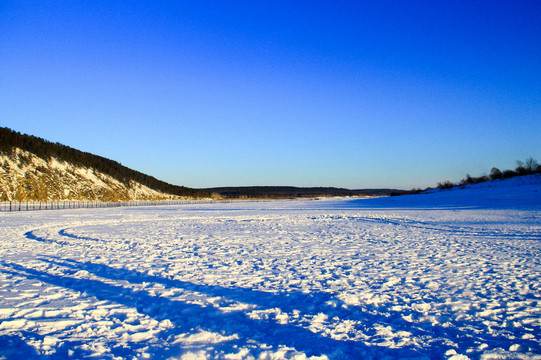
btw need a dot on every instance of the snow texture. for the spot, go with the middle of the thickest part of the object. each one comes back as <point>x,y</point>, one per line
<point>448,275</point>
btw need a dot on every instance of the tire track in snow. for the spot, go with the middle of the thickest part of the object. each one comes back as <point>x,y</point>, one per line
<point>459,230</point>
<point>64,232</point>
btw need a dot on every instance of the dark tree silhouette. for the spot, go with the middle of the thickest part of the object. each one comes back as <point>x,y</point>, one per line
<point>495,173</point>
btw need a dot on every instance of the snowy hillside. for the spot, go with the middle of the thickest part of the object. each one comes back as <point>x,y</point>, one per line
<point>448,275</point>
<point>25,176</point>
<point>521,192</point>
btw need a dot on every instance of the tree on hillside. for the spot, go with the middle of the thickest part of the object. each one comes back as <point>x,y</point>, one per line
<point>495,173</point>
<point>531,164</point>
<point>445,185</point>
<point>527,167</point>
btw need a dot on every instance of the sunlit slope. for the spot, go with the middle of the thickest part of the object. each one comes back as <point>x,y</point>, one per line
<point>523,192</point>
<point>25,176</point>
<point>32,168</point>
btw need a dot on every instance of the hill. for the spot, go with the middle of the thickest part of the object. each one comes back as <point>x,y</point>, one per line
<point>32,168</point>
<point>521,192</point>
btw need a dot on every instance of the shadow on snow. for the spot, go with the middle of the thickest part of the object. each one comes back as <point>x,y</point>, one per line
<point>187,317</point>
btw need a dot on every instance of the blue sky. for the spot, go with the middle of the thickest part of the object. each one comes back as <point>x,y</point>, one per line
<point>352,94</point>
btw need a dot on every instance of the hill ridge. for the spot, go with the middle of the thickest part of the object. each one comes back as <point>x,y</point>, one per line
<point>21,150</point>
<point>280,192</point>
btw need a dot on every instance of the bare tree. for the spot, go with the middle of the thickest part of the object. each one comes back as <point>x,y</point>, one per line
<point>530,164</point>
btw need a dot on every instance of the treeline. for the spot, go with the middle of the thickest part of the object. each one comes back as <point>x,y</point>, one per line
<point>9,140</point>
<point>292,192</point>
<point>528,167</point>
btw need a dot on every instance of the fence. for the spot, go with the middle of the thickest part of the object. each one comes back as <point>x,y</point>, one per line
<point>6,206</point>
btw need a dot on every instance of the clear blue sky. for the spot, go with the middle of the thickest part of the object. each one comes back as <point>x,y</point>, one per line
<point>352,94</point>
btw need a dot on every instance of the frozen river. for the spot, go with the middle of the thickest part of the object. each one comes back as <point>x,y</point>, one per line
<point>332,279</point>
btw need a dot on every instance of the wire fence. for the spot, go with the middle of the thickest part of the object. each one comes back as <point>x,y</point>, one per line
<point>7,206</point>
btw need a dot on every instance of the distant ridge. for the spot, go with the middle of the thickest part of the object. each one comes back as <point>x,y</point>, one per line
<point>21,150</point>
<point>281,192</point>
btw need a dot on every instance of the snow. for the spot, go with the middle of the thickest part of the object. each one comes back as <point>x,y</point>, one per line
<point>448,275</point>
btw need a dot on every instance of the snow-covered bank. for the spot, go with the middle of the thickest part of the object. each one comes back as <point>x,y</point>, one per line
<point>288,279</point>
<point>523,192</point>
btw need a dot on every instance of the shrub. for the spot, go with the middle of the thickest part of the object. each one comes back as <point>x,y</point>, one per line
<point>508,174</point>
<point>473,180</point>
<point>467,180</point>
<point>521,170</point>
<point>481,179</point>
<point>495,173</point>
<point>445,185</point>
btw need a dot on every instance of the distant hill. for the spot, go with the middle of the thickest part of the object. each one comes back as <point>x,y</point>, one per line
<point>32,168</point>
<point>284,192</point>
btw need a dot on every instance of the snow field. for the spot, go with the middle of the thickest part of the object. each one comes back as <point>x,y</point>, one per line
<point>277,280</point>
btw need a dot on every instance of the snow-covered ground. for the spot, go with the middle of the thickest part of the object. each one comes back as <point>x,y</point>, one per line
<point>448,275</point>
